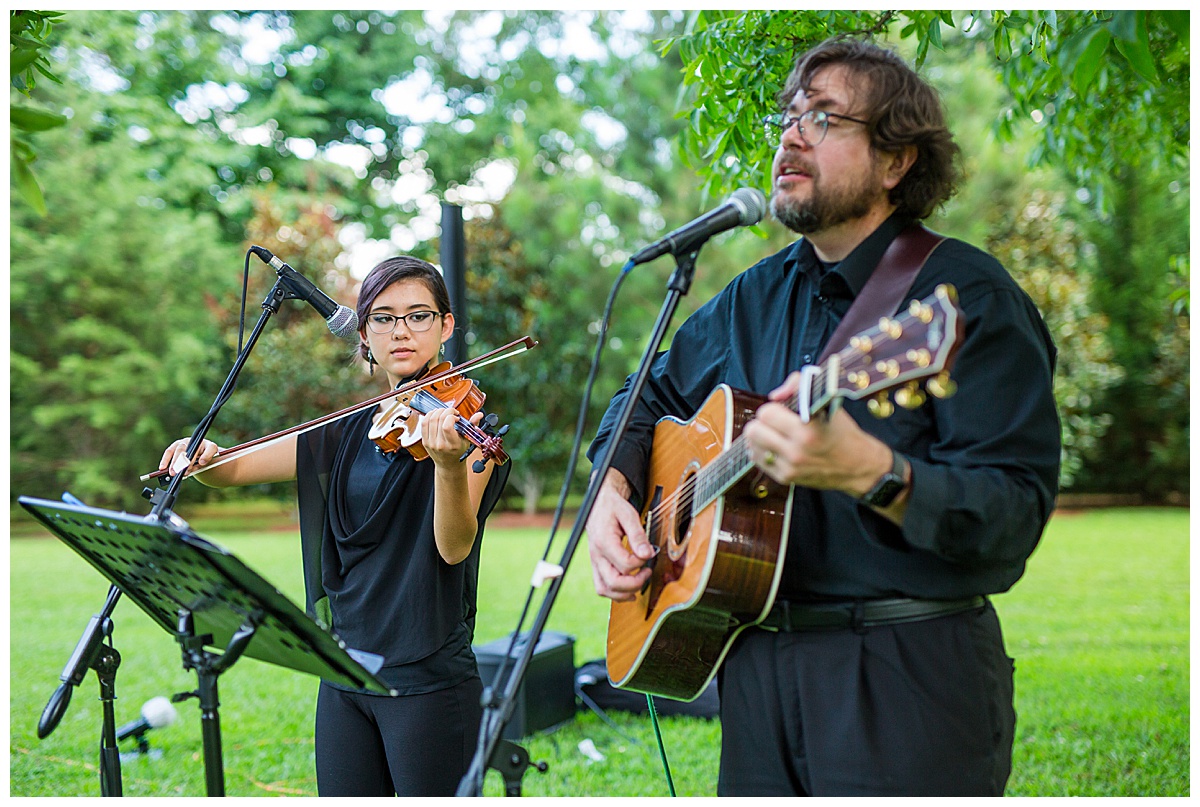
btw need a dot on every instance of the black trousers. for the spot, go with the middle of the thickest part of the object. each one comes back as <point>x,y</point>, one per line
<point>411,745</point>
<point>916,709</point>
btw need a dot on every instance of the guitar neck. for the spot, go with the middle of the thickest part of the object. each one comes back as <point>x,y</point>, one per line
<point>728,468</point>
<point>896,355</point>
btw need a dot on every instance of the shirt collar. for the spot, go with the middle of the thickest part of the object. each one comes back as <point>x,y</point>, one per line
<point>856,267</point>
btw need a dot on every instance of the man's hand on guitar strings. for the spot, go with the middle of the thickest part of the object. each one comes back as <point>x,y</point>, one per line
<point>619,569</point>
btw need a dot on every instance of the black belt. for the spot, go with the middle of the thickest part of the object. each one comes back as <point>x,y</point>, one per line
<point>795,616</point>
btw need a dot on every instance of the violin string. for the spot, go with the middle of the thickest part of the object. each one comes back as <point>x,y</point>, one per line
<point>461,424</point>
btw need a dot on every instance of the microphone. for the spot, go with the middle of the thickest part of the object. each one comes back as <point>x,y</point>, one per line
<point>341,320</point>
<point>744,207</point>
<point>156,713</point>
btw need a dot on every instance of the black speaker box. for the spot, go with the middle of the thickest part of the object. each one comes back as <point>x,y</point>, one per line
<point>546,696</point>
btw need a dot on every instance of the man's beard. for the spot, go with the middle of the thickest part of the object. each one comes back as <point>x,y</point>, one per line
<point>823,209</point>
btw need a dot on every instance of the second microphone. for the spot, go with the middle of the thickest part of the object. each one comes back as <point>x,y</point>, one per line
<point>342,321</point>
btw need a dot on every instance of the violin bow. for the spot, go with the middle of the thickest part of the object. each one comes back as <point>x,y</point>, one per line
<point>513,348</point>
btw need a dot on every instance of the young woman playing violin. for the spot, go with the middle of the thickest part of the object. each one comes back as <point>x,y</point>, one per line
<point>391,555</point>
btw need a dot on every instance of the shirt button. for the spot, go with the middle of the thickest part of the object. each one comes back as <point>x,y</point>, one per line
<point>807,358</point>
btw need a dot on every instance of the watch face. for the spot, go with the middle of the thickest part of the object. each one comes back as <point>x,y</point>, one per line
<point>885,491</point>
<point>889,485</point>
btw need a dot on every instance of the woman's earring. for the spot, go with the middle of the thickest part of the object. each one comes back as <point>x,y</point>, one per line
<point>371,361</point>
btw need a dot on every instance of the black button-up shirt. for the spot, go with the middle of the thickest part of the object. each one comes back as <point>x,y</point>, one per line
<point>985,461</point>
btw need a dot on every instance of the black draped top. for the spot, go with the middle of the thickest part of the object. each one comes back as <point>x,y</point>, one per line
<point>372,572</point>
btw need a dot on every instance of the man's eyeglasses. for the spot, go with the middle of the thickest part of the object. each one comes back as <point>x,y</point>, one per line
<point>813,125</point>
<point>417,321</point>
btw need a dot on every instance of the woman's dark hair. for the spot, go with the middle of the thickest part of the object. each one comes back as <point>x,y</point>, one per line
<point>902,110</point>
<point>393,270</point>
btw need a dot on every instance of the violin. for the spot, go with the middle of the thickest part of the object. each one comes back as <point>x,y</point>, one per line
<point>399,425</point>
<point>486,441</point>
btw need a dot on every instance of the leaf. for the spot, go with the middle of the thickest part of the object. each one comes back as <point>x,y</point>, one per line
<point>935,33</point>
<point>28,186</point>
<point>35,120</point>
<point>21,59</point>
<point>1090,61</point>
<point>1124,24</point>
<point>1180,24</point>
<point>1129,30</point>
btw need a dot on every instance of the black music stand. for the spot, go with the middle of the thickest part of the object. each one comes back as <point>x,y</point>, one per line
<point>205,597</point>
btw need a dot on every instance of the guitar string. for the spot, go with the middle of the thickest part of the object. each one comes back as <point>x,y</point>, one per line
<point>734,461</point>
<point>729,463</point>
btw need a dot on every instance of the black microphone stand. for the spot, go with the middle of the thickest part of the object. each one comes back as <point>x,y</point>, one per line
<point>498,710</point>
<point>90,651</point>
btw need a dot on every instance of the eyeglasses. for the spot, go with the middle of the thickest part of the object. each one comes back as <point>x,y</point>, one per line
<point>417,321</point>
<point>813,125</point>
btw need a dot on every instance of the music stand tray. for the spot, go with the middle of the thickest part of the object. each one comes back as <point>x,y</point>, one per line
<point>166,568</point>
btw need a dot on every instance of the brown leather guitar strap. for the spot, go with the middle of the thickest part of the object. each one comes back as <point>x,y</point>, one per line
<point>887,286</point>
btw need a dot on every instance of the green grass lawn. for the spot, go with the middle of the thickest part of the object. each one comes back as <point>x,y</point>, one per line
<point>1099,628</point>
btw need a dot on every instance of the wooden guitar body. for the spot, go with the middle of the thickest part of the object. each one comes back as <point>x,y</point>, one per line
<point>718,565</point>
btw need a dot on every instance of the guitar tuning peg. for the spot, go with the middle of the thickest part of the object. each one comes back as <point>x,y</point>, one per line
<point>921,311</point>
<point>910,396</point>
<point>880,406</point>
<point>941,386</point>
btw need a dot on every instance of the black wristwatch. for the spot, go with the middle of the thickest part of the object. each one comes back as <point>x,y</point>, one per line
<point>889,485</point>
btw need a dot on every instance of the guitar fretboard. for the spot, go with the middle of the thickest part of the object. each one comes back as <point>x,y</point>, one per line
<point>712,481</point>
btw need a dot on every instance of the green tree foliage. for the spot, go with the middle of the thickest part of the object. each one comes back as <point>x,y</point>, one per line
<point>1108,88</point>
<point>1110,91</point>
<point>1046,252</point>
<point>29,37</point>
<point>1141,266</point>
<point>112,346</point>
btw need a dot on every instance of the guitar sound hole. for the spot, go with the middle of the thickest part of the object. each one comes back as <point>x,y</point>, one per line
<point>682,521</point>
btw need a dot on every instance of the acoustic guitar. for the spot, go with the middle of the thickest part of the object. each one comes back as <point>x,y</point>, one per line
<point>721,525</point>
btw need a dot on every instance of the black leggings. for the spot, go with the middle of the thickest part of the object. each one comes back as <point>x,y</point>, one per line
<point>411,745</point>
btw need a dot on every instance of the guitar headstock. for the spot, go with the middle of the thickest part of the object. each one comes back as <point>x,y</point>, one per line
<point>900,352</point>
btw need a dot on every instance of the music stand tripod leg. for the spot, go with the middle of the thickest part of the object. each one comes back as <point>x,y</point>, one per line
<point>106,664</point>
<point>208,667</point>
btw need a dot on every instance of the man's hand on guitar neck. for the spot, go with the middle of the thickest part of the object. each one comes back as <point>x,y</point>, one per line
<point>614,528</point>
<point>827,453</point>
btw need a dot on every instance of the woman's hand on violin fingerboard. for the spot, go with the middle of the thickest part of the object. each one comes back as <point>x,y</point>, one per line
<point>439,437</point>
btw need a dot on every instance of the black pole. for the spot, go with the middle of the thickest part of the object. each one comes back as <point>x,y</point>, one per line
<point>454,269</point>
<point>110,756</point>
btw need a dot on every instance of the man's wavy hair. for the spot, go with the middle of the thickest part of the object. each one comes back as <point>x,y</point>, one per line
<point>902,110</point>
